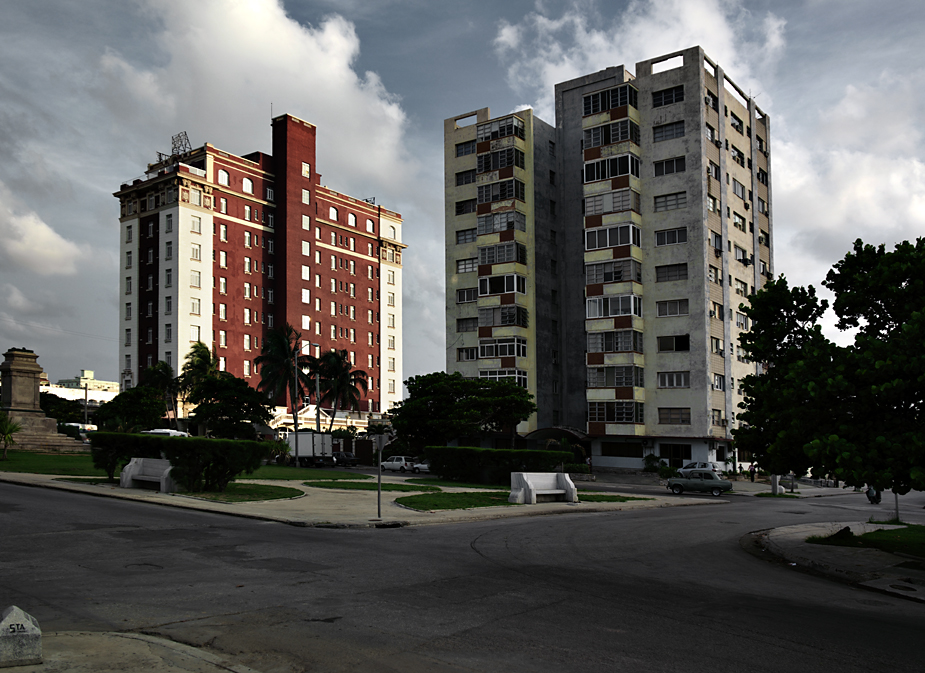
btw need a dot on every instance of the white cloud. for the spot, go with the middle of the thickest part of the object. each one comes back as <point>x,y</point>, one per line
<point>541,51</point>
<point>30,244</point>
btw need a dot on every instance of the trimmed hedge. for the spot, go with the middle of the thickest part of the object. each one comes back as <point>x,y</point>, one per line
<point>490,466</point>
<point>199,464</point>
<point>577,468</point>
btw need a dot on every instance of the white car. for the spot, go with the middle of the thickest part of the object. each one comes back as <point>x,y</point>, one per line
<point>166,432</point>
<point>397,464</point>
<point>686,470</point>
<point>423,466</point>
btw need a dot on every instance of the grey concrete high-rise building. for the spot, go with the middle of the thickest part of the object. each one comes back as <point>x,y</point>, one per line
<point>639,224</point>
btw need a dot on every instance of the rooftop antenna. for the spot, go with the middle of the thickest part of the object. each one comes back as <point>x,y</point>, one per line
<point>179,144</point>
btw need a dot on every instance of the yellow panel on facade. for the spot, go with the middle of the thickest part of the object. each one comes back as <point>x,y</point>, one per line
<point>595,120</point>
<point>600,394</point>
<point>637,359</point>
<point>625,429</point>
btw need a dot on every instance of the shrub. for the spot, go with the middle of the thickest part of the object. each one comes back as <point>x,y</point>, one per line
<point>70,430</point>
<point>198,464</point>
<point>577,468</point>
<point>652,462</point>
<point>490,466</point>
<point>666,472</point>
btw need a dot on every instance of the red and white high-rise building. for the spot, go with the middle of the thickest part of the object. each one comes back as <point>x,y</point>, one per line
<point>222,248</point>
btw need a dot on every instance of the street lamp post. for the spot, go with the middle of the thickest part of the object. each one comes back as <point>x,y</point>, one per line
<point>295,395</point>
<point>317,396</point>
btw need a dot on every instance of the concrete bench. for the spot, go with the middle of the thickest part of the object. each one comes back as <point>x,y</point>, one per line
<point>149,470</point>
<point>527,488</point>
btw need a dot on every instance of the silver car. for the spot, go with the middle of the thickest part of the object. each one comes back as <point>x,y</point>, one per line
<point>686,470</point>
<point>397,464</point>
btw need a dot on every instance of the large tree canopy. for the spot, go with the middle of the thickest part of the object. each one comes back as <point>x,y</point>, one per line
<point>854,411</point>
<point>228,407</point>
<point>135,409</point>
<point>441,407</point>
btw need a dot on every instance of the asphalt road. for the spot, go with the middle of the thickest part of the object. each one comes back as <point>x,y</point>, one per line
<point>656,590</point>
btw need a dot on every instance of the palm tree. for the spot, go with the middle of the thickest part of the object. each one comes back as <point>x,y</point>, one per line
<point>279,360</point>
<point>340,382</point>
<point>8,428</point>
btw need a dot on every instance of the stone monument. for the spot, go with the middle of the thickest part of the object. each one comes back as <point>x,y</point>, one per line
<point>19,398</point>
<point>20,639</point>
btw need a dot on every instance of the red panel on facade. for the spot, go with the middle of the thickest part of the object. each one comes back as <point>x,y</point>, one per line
<point>483,209</point>
<point>592,221</point>
<point>506,235</point>
<point>623,182</point>
<point>592,153</point>
<point>506,173</point>
<point>484,269</point>
<point>595,358</point>
<point>485,332</point>
<point>507,299</point>
<point>619,112</point>
<point>594,290</point>
<point>621,251</point>
<point>625,393</point>
<point>623,322</point>
<point>597,429</point>
<point>482,147</point>
<point>508,362</point>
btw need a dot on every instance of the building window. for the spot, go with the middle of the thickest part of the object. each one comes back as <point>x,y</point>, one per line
<point>613,272</point>
<point>196,252</point>
<point>762,176</point>
<point>195,279</point>
<point>674,415</point>
<point>499,348</point>
<point>604,169</point>
<point>671,272</point>
<point>500,128</point>
<point>738,189</point>
<point>673,344</point>
<point>670,201</point>
<point>500,191</point>
<point>462,324</point>
<point>668,96</point>
<point>626,376</point>
<point>619,341</point>
<point>150,308</point>
<point>741,321</point>
<point>674,379</point>
<point>194,333</point>
<point>390,277</point>
<point>196,225</point>
<point>467,295</point>
<point>466,148</point>
<point>599,237</point>
<point>608,99</point>
<point>128,285</point>
<point>664,309</point>
<point>128,259</point>
<point>391,320</point>
<point>168,333</point>
<point>616,412</point>
<point>370,226</point>
<point>332,214</point>
<point>668,131</point>
<point>150,255</point>
<point>194,306</point>
<point>518,376</point>
<point>223,311</point>
<point>465,177</point>
<point>168,223</point>
<point>612,202</point>
<point>712,205</point>
<point>669,166</point>
<point>609,134</point>
<point>168,305</point>
<point>223,206</point>
<point>247,186</point>
<point>467,265</point>
<point>247,265</point>
<point>391,364</point>
<point>605,307</point>
<point>223,177</point>
<point>736,123</point>
<point>511,282</point>
<point>466,236</point>
<point>466,354</point>
<point>390,299</point>
<point>504,252</point>
<point>494,161</point>
<point>222,338</point>
<point>671,236</point>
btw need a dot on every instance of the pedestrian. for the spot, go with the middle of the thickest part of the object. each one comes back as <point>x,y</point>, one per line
<point>590,466</point>
<point>751,472</point>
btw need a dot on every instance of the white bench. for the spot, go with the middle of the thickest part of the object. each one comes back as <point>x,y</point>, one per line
<point>528,487</point>
<point>154,470</point>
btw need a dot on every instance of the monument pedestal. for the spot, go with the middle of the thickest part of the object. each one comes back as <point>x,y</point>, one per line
<point>19,398</point>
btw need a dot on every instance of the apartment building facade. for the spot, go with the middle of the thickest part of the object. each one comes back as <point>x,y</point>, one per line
<point>661,226</point>
<point>222,248</point>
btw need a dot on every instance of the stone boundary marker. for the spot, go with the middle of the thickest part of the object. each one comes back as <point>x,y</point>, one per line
<point>20,639</point>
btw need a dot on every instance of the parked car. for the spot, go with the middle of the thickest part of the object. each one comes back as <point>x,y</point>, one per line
<point>699,480</point>
<point>345,459</point>
<point>397,464</point>
<point>166,432</point>
<point>423,466</point>
<point>686,470</point>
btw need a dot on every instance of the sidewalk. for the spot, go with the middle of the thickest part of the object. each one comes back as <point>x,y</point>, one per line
<point>332,508</point>
<point>869,568</point>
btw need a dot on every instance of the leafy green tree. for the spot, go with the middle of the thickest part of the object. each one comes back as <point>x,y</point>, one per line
<point>441,407</point>
<point>133,410</point>
<point>283,367</point>
<point>200,364</point>
<point>228,407</point>
<point>8,428</point>
<point>855,411</point>
<point>341,384</point>
<point>62,410</point>
<point>161,378</point>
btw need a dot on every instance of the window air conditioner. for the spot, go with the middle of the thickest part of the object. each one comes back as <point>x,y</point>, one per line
<point>718,143</point>
<point>718,252</point>
<point>723,422</point>
<point>747,206</point>
<point>712,314</point>
<point>706,99</point>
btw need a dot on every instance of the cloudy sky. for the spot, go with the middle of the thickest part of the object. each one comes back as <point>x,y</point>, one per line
<point>90,91</point>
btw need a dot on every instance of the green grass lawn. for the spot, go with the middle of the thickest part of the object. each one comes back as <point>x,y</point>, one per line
<point>301,473</point>
<point>456,484</point>
<point>584,496</point>
<point>768,494</point>
<point>250,493</point>
<point>72,464</point>
<point>908,540</point>
<point>371,486</point>
<point>433,501</point>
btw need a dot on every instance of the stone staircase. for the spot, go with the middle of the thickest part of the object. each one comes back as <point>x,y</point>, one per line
<point>40,434</point>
